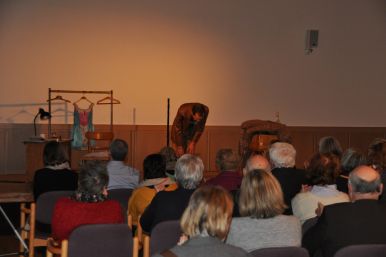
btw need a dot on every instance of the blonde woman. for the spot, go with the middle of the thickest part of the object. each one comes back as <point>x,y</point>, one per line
<point>262,224</point>
<point>205,223</point>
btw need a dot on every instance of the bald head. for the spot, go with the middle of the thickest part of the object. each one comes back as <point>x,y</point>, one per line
<point>257,162</point>
<point>365,183</point>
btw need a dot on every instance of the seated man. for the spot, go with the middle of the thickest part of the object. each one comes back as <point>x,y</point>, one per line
<point>361,221</point>
<point>256,162</point>
<point>227,163</point>
<point>120,175</point>
<point>169,205</point>
<point>282,156</point>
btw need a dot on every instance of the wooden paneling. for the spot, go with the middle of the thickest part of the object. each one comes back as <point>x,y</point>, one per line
<point>147,139</point>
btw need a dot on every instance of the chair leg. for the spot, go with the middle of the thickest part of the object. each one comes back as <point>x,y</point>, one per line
<point>146,246</point>
<point>32,231</point>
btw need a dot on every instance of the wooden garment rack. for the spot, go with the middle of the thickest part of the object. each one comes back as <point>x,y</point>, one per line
<point>109,93</point>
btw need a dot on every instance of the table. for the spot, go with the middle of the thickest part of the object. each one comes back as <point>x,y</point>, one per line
<point>14,192</point>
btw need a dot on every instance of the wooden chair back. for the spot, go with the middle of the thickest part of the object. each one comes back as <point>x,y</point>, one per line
<point>98,141</point>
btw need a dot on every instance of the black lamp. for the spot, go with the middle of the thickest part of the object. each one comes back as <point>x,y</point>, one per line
<point>43,116</point>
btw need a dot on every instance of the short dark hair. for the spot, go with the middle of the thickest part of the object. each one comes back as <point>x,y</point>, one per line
<point>118,150</point>
<point>227,159</point>
<point>351,159</point>
<point>330,145</point>
<point>323,169</point>
<point>54,154</point>
<point>154,166</point>
<point>93,177</point>
<point>198,108</point>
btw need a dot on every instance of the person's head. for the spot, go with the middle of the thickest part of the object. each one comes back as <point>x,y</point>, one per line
<point>54,154</point>
<point>154,166</point>
<point>118,150</point>
<point>198,112</point>
<point>170,157</point>
<point>377,154</point>
<point>351,159</point>
<point>330,145</point>
<point>256,162</point>
<point>282,155</point>
<point>364,183</point>
<point>209,212</point>
<point>189,171</point>
<point>323,169</point>
<point>227,160</point>
<point>261,195</point>
<point>92,181</point>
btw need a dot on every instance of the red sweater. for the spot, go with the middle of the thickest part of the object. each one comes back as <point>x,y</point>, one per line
<point>70,214</point>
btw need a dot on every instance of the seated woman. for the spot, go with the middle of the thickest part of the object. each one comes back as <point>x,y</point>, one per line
<point>262,225</point>
<point>322,172</point>
<point>56,175</point>
<point>155,180</point>
<point>89,205</point>
<point>351,159</point>
<point>205,223</point>
<point>169,205</point>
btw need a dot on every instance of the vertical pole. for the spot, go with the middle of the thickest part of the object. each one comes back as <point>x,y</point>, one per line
<point>111,113</point>
<point>49,111</point>
<point>167,123</point>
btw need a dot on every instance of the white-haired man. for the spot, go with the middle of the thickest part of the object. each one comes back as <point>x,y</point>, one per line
<point>282,156</point>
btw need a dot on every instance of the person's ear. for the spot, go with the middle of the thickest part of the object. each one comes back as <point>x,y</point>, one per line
<point>380,189</point>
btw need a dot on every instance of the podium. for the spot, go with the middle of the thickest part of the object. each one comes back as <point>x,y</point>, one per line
<point>257,135</point>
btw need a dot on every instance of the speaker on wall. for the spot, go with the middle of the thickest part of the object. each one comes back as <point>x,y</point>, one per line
<point>312,37</point>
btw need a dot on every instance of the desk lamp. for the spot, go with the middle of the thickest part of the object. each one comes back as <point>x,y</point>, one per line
<point>43,116</point>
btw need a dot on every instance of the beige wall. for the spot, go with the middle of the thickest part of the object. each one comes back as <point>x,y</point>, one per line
<point>244,59</point>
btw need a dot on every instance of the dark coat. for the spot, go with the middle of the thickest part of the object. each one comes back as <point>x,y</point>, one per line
<point>291,181</point>
<point>344,224</point>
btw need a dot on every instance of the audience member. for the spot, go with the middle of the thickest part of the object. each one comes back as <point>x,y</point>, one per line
<point>377,154</point>
<point>322,172</point>
<point>56,174</point>
<point>171,159</point>
<point>121,175</point>
<point>227,163</point>
<point>256,162</point>
<point>155,180</point>
<point>330,145</point>
<point>89,205</point>
<point>351,159</point>
<point>169,205</point>
<point>262,224</point>
<point>377,159</point>
<point>361,221</point>
<point>206,223</point>
<point>282,156</point>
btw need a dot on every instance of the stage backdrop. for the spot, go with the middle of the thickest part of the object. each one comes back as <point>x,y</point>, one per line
<point>244,59</point>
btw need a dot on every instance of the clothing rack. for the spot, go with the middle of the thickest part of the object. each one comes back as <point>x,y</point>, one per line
<point>109,93</point>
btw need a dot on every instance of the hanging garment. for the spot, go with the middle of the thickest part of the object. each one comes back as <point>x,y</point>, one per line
<point>82,124</point>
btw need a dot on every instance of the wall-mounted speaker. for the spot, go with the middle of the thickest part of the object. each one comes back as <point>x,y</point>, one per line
<point>312,37</point>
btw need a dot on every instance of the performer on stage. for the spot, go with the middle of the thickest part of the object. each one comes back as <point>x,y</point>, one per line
<point>188,126</point>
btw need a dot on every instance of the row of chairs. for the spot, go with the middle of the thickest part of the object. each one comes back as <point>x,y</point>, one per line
<point>91,240</point>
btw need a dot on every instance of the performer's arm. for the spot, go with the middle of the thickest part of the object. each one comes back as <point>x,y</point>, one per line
<point>200,127</point>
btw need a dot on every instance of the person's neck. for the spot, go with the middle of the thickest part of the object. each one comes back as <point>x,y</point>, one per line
<point>364,196</point>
